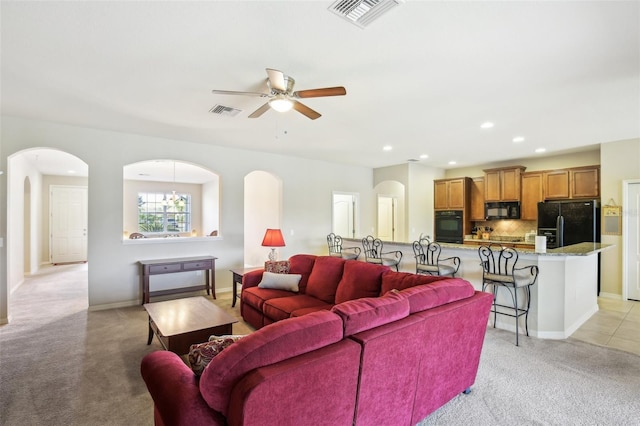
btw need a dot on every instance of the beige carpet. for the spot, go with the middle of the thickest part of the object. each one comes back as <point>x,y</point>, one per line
<point>63,365</point>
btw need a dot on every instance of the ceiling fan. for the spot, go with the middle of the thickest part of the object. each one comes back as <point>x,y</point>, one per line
<point>282,97</point>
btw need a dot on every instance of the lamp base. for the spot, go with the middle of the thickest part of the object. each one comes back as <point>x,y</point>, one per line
<point>273,256</point>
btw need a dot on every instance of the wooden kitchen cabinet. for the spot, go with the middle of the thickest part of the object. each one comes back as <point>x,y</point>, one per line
<point>584,182</point>
<point>532,194</point>
<point>450,194</point>
<point>502,184</point>
<point>556,184</point>
<point>577,182</point>
<point>477,199</point>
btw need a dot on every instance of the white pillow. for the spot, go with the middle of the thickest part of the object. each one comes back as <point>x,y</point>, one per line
<point>280,281</point>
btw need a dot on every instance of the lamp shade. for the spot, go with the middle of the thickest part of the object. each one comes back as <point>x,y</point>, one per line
<point>273,238</point>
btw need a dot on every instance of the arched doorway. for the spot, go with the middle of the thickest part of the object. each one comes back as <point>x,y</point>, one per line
<point>30,174</point>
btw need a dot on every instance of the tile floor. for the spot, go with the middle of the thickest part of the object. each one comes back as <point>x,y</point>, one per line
<point>615,325</point>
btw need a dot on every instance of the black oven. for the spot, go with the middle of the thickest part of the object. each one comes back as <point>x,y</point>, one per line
<point>448,226</point>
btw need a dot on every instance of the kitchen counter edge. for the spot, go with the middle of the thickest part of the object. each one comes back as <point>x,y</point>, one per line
<point>580,249</point>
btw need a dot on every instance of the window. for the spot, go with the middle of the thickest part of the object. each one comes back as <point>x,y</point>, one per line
<point>164,212</point>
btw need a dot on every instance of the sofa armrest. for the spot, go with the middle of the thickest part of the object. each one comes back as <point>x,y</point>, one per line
<point>175,391</point>
<point>252,279</point>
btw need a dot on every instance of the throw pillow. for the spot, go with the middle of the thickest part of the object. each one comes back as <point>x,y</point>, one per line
<point>277,266</point>
<point>201,354</point>
<point>280,281</point>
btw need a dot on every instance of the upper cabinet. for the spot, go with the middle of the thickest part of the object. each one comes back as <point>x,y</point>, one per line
<point>584,182</point>
<point>477,199</point>
<point>532,194</point>
<point>578,182</point>
<point>450,194</point>
<point>502,184</point>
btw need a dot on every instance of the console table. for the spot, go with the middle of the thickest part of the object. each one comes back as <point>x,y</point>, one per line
<point>181,264</point>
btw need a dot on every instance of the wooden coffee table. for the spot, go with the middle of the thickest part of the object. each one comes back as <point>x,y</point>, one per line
<point>182,322</point>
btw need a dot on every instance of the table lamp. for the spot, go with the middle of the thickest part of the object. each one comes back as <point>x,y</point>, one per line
<point>273,238</point>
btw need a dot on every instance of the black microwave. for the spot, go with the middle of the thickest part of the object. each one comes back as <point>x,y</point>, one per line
<point>502,210</point>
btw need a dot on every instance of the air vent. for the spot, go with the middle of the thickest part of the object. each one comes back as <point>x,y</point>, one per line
<point>224,110</point>
<point>363,12</point>
<point>412,160</point>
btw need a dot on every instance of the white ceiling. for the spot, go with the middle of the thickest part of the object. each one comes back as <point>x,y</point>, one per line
<point>565,75</point>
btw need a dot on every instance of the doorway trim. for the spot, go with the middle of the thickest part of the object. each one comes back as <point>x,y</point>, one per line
<point>626,186</point>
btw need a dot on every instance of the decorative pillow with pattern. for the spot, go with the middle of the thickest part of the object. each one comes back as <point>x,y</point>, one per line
<point>201,354</point>
<point>277,266</point>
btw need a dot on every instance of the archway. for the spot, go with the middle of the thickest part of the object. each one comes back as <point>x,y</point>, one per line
<point>30,173</point>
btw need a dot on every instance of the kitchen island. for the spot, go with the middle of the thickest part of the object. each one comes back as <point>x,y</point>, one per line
<point>563,298</point>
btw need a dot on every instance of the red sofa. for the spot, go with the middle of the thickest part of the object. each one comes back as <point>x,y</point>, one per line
<point>389,359</point>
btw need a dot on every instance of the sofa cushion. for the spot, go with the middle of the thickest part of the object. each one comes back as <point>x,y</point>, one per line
<point>359,279</point>
<point>255,296</point>
<point>269,345</point>
<point>201,354</point>
<point>302,264</point>
<point>281,308</point>
<point>449,290</point>
<point>305,311</point>
<point>363,314</point>
<point>401,280</point>
<point>325,277</point>
<point>280,281</point>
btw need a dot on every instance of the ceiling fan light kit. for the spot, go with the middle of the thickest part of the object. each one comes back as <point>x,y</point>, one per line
<point>280,103</point>
<point>282,98</point>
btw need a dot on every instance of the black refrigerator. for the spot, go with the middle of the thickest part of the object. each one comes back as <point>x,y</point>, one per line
<point>569,222</point>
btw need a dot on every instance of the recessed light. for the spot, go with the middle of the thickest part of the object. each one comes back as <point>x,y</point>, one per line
<point>540,150</point>
<point>518,139</point>
<point>423,156</point>
<point>486,125</point>
<point>451,163</point>
<point>71,171</point>
<point>387,148</point>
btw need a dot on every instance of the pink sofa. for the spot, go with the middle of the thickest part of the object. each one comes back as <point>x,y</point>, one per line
<point>389,359</point>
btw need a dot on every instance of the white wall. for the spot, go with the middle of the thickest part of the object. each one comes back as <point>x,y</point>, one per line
<point>113,268</point>
<point>619,161</point>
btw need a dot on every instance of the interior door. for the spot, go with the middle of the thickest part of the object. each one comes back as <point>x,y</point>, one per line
<point>68,224</point>
<point>632,237</point>
<point>386,218</point>
<point>344,209</point>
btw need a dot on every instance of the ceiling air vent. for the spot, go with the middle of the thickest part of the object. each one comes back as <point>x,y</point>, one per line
<point>224,110</point>
<point>363,12</point>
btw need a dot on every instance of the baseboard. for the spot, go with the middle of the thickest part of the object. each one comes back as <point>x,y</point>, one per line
<point>116,305</point>
<point>614,296</point>
<point>129,303</point>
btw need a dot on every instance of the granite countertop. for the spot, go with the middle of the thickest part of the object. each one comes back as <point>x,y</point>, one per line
<point>580,249</point>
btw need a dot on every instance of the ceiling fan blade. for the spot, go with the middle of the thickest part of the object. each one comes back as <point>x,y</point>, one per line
<point>316,93</point>
<point>257,113</point>
<point>231,92</point>
<point>276,80</point>
<point>305,110</point>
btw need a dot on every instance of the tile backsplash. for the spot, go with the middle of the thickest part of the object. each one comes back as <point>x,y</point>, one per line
<point>509,228</point>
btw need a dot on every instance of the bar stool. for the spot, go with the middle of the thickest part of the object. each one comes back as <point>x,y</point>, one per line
<point>428,262</point>
<point>373,253</point>
<point>499,270</point>
<point>335,248</point>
